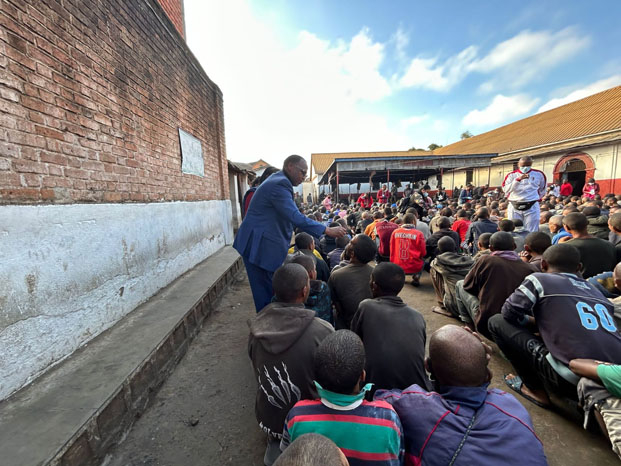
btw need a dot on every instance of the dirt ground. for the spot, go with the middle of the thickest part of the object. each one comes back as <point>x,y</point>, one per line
<point>204,413</point>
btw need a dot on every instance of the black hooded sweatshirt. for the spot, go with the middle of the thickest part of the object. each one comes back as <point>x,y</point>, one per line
<point>281,346</point>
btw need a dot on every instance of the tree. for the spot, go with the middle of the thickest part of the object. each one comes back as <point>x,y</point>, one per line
<point>466,134</point>
<point>414,148</point>
<point>434,146</point>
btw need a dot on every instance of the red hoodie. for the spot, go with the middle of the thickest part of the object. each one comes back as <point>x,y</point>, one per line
<point>407,249</point>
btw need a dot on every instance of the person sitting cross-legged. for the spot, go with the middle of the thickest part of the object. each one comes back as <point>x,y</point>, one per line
<point>490,282</point>
<point>319,294</point>
<point>407,248</point>
<point>443,231</point>
<point>283,339</point>
<point>482,225</point>
<point>312,450</point>
<point>334,257</point>
<point>483,246</point>
<point>463,422</point>
<point>446,270</point>
<point>573,318</point>
<point>395,362</point>
<point>349,285</point>
<point>368,432</point>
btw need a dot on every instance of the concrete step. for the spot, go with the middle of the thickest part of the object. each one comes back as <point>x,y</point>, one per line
<point>75,412</point>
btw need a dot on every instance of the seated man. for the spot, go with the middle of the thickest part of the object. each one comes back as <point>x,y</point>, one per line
<point>319,293</point>
<point>443,230</point>
<point>483,246</point>
<point>305,244</point>
<point>464,422</point>
<point>614,224</point>
<point>572,317</point>
<point>370,229</point>
<point>460,226</point>
<point>556,228</point>
<point>490,282</point>
<point>407,248</point>
<point>334,257</point>
<point>482,225</point>
<point>598,223</point>
<point>543,223</point>
<point>312,450</point>
<point>535,245</point>
<point>395,362</point>
<point>596,255</point>
<point>446,270</point>
<point>349,285</point>
<point>384,230</point>
<point>368,432</point>
<point>328,243</point>
<point>508,226</point>
<point>283,339</point>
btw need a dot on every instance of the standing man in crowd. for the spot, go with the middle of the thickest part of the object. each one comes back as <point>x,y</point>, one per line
<point>524,188</point>
<point>265,233</point>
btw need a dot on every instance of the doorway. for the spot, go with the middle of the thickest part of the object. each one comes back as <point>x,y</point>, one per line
<point>575,172</point>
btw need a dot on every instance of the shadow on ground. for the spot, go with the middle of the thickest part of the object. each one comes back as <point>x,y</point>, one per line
<point>204,413</point>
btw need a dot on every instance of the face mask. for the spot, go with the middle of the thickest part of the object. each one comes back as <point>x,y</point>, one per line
<point>524,169</point>
<point>342,400</point>
<point>425,194</point>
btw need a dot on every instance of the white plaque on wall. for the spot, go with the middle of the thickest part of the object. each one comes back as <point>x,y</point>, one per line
<point>191,154</point>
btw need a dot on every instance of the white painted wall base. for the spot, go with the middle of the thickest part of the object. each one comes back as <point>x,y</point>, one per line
<point>68,272</point>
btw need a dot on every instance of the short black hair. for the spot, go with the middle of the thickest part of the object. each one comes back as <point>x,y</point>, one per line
<point>538,241</point>
<point>591,211</point>
<point>342,242</point>
<point>502,241</point>
<point>389,277</point>
<point>615,221</point>
<point>364,248</point>
<point>311,450</point>
<point>461,213</point>
<point>409,218</point>
<point>444,222</point>
<point>303,241</point>
<point>576,221</point>
<point>506,225</point>
<point>563,257</point>
<point>288,282</point>
<point>269,171</point>
<point>292,159</point>
<point>339,361</point>
<point>483,212</point>
<point>446,244</point>
<point>517,222</point>
<point>308,262</point>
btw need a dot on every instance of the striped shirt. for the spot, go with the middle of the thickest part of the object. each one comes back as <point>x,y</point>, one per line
<point>368,433</point>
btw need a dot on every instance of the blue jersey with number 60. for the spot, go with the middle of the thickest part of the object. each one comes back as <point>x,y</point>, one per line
<point>575,320</point>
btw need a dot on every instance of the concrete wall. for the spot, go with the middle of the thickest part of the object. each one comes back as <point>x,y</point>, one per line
<point>69,272</point>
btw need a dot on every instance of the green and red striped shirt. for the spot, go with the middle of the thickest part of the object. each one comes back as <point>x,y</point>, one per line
<point>369,433</point>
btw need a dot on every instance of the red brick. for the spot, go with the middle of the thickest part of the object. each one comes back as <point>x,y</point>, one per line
<point>49,132</point>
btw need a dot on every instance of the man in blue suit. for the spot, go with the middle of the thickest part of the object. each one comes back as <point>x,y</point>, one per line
<point>264,235</point>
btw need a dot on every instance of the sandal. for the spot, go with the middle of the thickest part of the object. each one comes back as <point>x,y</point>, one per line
<point>515,384</point>
<point>441,311</point>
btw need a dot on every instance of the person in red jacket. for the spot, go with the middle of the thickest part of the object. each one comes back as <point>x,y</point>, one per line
<point>365,200</point>
<point>382,195</point>
<point>461,225</point>
<point>566,188</point>
<point>407,248</point>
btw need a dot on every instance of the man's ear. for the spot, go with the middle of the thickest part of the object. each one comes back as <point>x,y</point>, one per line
<point>428,365</point>
<point>544,265</point>
<point>527,248</point>
<point>580,268</point>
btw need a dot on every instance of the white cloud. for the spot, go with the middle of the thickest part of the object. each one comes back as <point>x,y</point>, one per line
<point>529,55</point>
<point>501,109</point>
<point>512,63</point>
<point>299,98</point>
<point>586,91</point>
<point>414,120</point>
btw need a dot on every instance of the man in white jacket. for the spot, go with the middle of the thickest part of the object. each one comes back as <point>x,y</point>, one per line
<point>524,188</point>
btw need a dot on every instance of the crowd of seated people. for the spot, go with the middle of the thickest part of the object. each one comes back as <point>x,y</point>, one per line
<point>343,374</point>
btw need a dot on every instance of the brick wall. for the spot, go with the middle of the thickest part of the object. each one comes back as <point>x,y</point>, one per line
<point>91,95</point>
<point>174,10</point>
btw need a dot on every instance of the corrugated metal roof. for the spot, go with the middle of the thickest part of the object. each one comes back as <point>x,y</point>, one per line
<point>321,162</point>
<point>589,116</point>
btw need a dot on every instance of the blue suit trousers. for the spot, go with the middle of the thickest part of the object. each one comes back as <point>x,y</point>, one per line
<point>260,284</point>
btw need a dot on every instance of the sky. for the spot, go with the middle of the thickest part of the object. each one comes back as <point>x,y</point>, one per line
<point>309,76</point>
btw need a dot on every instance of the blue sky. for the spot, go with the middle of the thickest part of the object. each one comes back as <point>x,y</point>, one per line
<point>335,76</point>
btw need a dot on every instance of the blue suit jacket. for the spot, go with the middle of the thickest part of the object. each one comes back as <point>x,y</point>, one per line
<point>265,234</point>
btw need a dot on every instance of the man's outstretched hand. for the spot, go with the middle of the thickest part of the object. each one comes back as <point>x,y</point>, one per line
<point>335,232</point>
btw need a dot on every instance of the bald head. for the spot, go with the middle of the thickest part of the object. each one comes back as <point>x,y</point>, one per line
<point>457,358</point>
